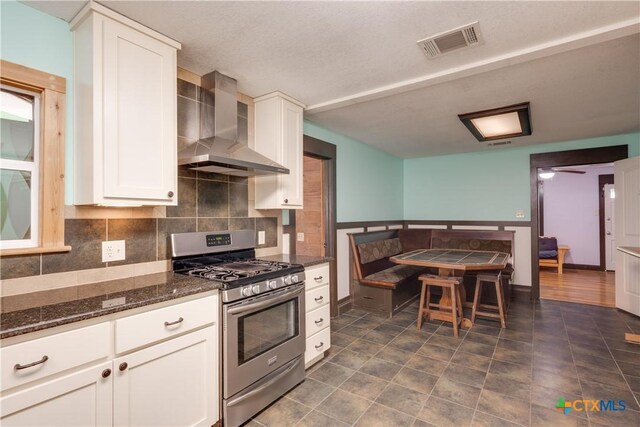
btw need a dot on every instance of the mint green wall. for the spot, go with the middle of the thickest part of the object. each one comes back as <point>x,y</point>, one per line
<point>37,40</point>
<point>487,185</point>
<point>369,181</point>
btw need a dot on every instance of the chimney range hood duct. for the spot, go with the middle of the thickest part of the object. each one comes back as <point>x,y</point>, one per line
<point>218,149</point>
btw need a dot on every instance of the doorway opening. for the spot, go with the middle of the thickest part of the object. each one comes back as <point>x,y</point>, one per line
<point>312,230</point>
<point>560,159</point>
<point>576,234</point>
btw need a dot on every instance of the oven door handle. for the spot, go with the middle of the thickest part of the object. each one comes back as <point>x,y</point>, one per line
<point>244,397</point>
<point>265,302</point>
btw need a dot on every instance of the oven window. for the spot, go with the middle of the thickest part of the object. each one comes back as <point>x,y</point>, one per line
<point>263,330</point>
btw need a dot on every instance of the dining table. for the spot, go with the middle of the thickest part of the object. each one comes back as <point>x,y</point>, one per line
<point>454,262</point>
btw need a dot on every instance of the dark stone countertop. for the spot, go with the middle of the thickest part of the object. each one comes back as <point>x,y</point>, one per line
<point>35,311</point>
<point>305,260</point>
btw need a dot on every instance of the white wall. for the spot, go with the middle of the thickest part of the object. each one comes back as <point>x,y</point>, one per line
<point>571,213</point>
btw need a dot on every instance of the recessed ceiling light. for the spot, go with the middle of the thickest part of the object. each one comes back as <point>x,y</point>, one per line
<point>499,123</point>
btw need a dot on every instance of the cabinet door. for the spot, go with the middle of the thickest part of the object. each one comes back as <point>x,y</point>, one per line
<point>174,383</point>
<point>139,128</point>
<point>291,185</point>
<point>82,398</point>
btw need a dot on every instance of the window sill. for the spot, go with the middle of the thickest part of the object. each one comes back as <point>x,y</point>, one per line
<point>30,251</point>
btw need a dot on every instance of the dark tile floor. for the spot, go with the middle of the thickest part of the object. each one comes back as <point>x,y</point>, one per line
<point>383,372</point>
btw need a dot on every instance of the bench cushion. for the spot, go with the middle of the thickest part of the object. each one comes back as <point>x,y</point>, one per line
<point>394,275</point>
<point>473,244</point>
<point>374,251</point>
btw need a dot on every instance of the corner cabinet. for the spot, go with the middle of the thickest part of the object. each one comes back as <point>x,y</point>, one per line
<point>125,120</point>
<point>278,135</point>
<point>318,313</point>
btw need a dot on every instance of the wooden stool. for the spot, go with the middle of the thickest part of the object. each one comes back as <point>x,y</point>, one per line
<point>449,313</point>
<point>495,279</point>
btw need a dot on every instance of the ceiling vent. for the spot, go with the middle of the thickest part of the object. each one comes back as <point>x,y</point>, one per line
<point>496,144</point>
<point>449,41</point>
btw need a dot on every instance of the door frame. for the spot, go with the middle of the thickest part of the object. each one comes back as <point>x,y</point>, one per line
<point>602,180</point>
<point>587,156</point>
<point>326,152</point>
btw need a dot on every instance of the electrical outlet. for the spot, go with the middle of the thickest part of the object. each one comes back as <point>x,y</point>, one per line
<point>300,237</point>
<point>113,250</point>
<point>519,213</point>
<point>261,237</point>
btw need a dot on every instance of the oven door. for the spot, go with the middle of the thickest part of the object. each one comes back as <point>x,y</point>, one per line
<point>260,335</point>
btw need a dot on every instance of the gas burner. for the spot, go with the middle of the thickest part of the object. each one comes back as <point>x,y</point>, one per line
<point>218,273</point>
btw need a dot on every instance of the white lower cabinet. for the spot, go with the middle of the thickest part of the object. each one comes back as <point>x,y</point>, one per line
<point>169,381</point>
<point>318,322</point>
<point>169,384</point>
<point>82,398</point>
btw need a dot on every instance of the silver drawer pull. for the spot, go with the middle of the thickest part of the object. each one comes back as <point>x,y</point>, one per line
<point>317,279</point>
<point>320,298</point>
<point>319,321</point>
<point>180,320</point>
<point>18,366</point>
<point>319,346</point>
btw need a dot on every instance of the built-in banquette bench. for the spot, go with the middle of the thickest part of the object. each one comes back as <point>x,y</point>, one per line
<point>380,286</point>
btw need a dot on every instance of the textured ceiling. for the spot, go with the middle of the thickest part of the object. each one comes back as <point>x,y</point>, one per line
<point>357,66</point>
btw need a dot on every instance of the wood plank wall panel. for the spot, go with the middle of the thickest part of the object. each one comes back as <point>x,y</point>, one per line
<point>310,220</point>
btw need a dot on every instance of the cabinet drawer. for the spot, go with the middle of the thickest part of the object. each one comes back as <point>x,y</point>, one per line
<point>316,276</point>
<point>317,344</point>
<point>316,298</point>
<point>318,319</point>
<point>63,351</point>
<point>145,328</point>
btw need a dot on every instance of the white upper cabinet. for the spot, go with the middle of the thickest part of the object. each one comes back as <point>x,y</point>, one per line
<point>125,122</point>
<point>278,135</point>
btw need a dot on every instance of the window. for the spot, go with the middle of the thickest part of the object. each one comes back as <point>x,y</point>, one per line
<point>32,117</point>
<point>19,171</point>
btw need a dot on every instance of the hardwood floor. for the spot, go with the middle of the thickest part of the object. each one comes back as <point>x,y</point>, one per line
<point>581,286</point>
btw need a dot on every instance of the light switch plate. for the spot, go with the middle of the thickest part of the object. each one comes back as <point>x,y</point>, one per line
<point>300,237</point>
<point>261,237</point>
<point>113,250</point>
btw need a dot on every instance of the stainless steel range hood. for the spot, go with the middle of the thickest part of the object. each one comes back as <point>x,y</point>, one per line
<point>218,149</point>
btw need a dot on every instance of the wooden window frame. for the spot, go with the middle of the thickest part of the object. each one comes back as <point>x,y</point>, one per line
<point>52,90</point>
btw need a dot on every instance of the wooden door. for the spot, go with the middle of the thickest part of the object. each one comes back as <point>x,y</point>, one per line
<point>81,398</point>
<point>310,227</point>
<point>174,383</point>
<point>139,129</point>
<point>627,233</point>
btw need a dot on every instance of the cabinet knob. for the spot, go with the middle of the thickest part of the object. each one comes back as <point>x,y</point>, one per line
<point>123,366</point>
<point>106,373</point>
<point>286,200</point>
<point>170,194</point>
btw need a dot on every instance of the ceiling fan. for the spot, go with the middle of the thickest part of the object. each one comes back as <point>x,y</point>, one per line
<point>548,173</point>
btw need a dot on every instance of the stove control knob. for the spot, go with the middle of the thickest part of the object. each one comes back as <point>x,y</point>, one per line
<point>256,289</point>
<point>287,280</point>
<point>246,292</point>
<point>273,284</point>
<point>294,278</point>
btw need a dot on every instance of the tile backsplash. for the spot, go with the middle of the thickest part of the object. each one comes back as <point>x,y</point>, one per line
<point>206,202</point>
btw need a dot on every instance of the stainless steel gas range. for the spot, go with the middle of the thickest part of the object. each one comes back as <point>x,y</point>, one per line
<point>263,320</point>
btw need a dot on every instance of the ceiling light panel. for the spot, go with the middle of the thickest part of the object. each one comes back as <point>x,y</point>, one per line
<point>499,123</point>
<point>502,124</point>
